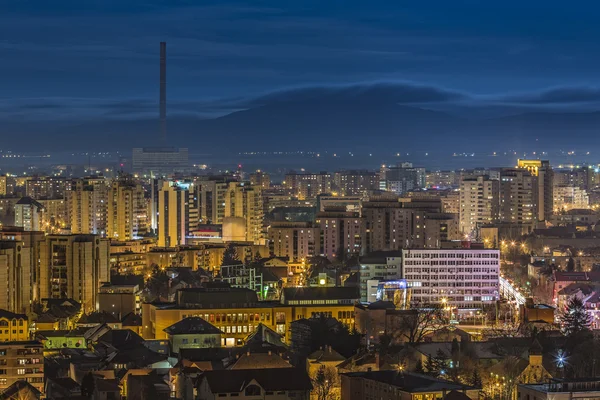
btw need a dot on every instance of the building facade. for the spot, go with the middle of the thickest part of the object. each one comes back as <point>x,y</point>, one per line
<point>479,203</point>
<point>74,266</point>
<point>342,232</point>
<point>462,279</point>
<point>296,240</point>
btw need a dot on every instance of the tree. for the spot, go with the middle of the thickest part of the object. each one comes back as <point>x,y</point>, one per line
<point>475,379</point>
<point>413,325</point>
<point>419,367</point>
<point>431,366</point>
<point>441,361</point>
<point>324,381</point>
<point>88,385</point>
<point>571,265</point>
<point>574,318</point>
<point>230,256</point>
<point>455,352</point>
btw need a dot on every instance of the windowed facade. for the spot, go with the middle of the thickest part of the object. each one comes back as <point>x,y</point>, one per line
<point>465,279</point>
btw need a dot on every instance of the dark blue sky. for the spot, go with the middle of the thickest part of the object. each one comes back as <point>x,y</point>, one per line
<point>74,58</point>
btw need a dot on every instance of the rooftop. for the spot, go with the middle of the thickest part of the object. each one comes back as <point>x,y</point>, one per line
<point>270,379</point>
<point>409,382</point>
<point>192,325</point>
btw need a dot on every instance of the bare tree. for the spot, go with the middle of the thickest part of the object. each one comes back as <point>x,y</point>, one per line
<point>325,381</point>
<point>413,325</point>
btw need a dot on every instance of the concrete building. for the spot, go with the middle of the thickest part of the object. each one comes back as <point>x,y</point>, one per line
<point>74,266</point>
<point>46,187</point>
<point>518,197</point>
<point>173,215</point>
<point>442,179</point>
<point>296,240</point>
<point>159,161</point>
<point>19,252</point>
<point>28,214</point>
<point>342,232</point>
<point>7,185</point>
<point>462,279</point>
<point>560,389</point>
<point>355,182</point>
<point>306,185</point>
<point>378,266</point>
<point>127,210</point>
<point>479,203</point>
<point>245,201</point>
<point>87,206</point>
<point>404,178</point>
<point>393,224</point>
<point>238,312</point>
<point>394,385</point>
<point>119,300</point>
<point>22,361</point>
<point>211,198</point>
<point>54,217</point>
<point>544,175</point>
<point>260,179</point>
<point>570,197</point>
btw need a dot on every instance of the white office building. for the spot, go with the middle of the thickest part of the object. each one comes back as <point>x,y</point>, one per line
<point>461,278</point>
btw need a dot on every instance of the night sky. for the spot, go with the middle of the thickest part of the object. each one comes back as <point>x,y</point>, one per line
<point>76,59</point>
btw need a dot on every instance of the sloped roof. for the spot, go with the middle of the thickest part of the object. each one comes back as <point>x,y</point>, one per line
<point>98,318</point>
<point>327,355</point>
<point>456,395</point>
<point>10,315</point>
<point>260,360</point>
<point>408,382</point>
<point>264,337</point>
<point>192,325</point>
<point>270,379</point>
<point>30,201</point>
<point>131,319</point>
<point>20,389</point>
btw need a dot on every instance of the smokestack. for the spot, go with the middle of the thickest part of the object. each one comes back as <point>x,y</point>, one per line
<point>163,91</point>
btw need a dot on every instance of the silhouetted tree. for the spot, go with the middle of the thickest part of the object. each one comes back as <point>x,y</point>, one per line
<point>475,379</point>
<point>574,318</point>
<point>571,265</point>
<point>230,256</point>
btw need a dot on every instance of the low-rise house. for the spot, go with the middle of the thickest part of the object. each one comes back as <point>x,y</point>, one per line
<point>324,357</point>
<point>13,327</point>
<point>246,384</point>
<point>98,318</point>
<point>193,332</point>
<point>62,388</point>
<point>399,385</point>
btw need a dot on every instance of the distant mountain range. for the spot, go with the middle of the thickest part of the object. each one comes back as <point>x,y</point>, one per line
<point>327,124</point>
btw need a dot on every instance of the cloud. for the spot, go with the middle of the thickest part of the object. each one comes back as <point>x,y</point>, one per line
<point>567,99</point>
<point>559,96</point>
<point>393,92</point>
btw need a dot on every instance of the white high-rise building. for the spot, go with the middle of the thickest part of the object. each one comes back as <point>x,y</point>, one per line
<point>460,278</point>
<point>28,214</point>
<point>173,214</point>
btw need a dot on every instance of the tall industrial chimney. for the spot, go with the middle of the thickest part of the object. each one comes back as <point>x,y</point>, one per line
<point>163,91</point>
